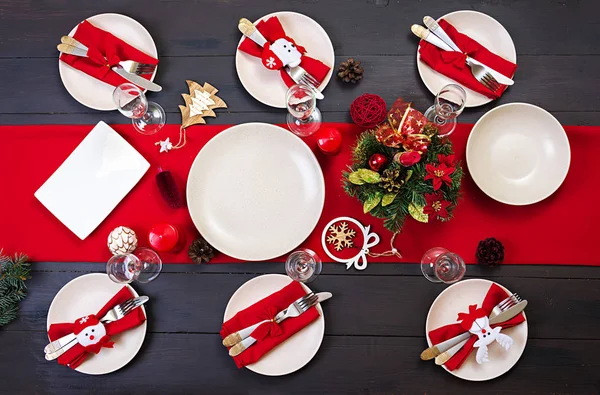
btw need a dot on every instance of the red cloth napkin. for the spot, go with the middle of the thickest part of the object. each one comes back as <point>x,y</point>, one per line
<point>452,64</point>
<point>77,354</point>
<point>269,335</point>
<point>272,30</point>
<point>494,296</point>
<point>104,50</point>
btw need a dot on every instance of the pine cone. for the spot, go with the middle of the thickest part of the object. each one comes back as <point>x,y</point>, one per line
<point>389,181</point>
<point>350,71</point>
<point>200,251</point>
<point>490,252</point>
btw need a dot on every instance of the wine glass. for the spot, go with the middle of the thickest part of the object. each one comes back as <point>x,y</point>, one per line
<point>440,265</point>
<point>448,105</point>
<point>303,118</point>
<point>147,117</point>
<point>142,265</point>
<point>303,265</point>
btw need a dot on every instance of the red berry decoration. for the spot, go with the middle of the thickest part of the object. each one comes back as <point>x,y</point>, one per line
<point>329,140</point>
<point>377,161</point>
<point>368,110</point>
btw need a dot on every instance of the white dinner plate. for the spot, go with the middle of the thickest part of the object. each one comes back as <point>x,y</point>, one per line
<point>87,294</point>
<point>90,91</point>
<point>482,28</point>
<point>266,85</point>
<point>456,299</point>
<point>90,183</point>
<point>518,154</point>
<point>296,351</point>
<point>255,191</point>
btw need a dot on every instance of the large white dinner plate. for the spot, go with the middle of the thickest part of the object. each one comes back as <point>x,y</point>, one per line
<point>90,91</point>
<point>482,28</point>
<point>255,191</point>
<point>90,183</point>
<point>456,299</point>
<point>296,351</point>
<point>87,294</point>
<point>266,85</point>
<point>518,153</point>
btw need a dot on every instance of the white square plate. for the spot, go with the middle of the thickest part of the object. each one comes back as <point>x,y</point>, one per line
<point>92,180</point>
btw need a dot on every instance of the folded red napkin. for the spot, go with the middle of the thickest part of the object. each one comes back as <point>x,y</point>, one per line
<point>272,30</point>
<point>494,296</point>
<point>91,334</point>
<point>269,335</point>
<point>452,64</point>
<point>104,50</point>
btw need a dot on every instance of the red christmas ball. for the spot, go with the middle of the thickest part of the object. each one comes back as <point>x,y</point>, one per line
<point>163,237</point>
<point>376,161</point>
<point>368,110</point>
<point>329,140</point>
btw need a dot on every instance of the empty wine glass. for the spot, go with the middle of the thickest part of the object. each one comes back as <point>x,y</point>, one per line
<point>303,265</point>
<point>147,117</point>
<point>303,118</point>
<point>142,265</point>
<point>440,265</point>
<point>448,105</point>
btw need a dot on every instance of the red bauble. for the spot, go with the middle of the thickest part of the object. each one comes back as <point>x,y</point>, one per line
<point>368,111</point>
<point>329,140</point>
<point>376,161</point>
<point>163,237</point>
<point>407,158</point>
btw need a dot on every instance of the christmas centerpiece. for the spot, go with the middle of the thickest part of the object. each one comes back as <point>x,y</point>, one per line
<point>402,167</point>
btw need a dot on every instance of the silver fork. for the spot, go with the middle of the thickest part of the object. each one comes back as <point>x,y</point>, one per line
<point>301,76</point>
<point>482,75</point>
<point>505,305</point>
<point>56,348</point>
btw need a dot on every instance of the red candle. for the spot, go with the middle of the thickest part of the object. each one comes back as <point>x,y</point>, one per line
<point>329,140</point>
<point>163,237</point>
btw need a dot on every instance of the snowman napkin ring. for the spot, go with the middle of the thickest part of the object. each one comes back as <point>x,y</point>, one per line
<point>341,236</point>
<point>476,322</point>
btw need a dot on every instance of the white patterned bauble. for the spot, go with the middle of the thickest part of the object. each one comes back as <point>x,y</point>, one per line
<point>122,240</point>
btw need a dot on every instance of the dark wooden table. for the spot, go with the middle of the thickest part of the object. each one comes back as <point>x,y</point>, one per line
<point>375,322</point>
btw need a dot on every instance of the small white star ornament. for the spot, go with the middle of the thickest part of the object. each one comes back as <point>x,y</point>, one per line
<point>166,145</point>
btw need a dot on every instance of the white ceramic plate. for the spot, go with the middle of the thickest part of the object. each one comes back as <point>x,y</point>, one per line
<point>456,299</point>
<point>518,153</point>
<point>92,180</point>
<point>482,28</point>
<point>88,293</point>
<point>255,191</point>
<point>90,91</point>
<point>265,85</point>
<point>296,351</point>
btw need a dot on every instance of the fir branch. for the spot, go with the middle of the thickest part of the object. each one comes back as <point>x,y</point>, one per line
<point>13,274</point>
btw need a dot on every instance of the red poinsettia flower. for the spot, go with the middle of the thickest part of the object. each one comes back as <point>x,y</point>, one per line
<point>440,173</point>
<point>436,205</point>
<point>447,160</point>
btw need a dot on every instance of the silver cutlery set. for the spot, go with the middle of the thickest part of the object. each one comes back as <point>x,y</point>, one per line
<point>503,311</point>
<point>240,341</point>
<point>435,35</point>
<point>58,347</point>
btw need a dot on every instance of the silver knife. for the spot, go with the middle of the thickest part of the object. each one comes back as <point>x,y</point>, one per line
<point>445,356</point>
<point>446,345</point>
<point>249,30</point>
<point>131,77</point>
<point>245,340</point>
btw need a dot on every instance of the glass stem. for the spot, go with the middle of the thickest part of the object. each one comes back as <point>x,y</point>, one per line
<point>147,117</point>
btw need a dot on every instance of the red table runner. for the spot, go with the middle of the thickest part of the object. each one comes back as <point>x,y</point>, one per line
<point>558,230</point>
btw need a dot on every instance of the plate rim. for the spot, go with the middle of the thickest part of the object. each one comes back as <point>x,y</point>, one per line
<point>490,282</point>
<point>321,319</point>
<point>422,64</point>
<point>238,54</point>
<point>62,65</point>
<point>232,129</point>
<point>529,105</point>
<point>144,324</point>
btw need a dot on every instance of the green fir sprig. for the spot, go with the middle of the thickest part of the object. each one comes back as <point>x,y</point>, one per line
<point>14,271</point>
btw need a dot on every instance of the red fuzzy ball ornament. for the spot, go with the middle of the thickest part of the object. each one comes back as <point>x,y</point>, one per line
<point>377,161</point>
<point>368,110</point>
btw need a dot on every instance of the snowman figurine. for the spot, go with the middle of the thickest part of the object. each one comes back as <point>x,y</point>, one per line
<point>282,52</point>
<point>91,334</point>
<point>477,322</point>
